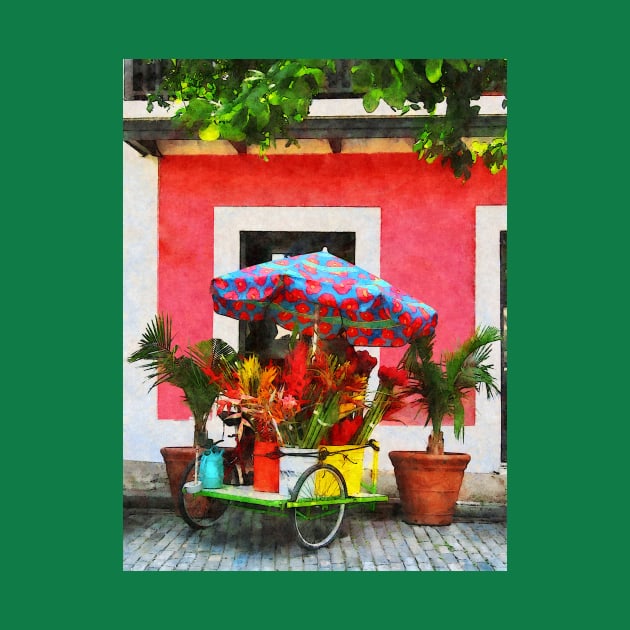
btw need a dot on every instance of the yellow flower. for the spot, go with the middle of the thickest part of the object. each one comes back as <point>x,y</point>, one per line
<point>345,408</point>
<point>249,375</point>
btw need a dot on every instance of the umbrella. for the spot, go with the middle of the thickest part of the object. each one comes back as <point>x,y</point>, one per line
<point>323,296</point>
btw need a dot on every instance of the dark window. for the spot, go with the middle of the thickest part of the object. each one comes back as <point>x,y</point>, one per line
<point>142,78</point>
<point>503,257</point>
<point>265,338</point>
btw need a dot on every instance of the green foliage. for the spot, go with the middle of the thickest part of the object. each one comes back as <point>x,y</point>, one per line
<point>185,371</point>
<point>441,386</point>
<point>256,100</point>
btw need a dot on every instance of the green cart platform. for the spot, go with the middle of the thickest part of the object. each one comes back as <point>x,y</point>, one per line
<point>317,502</point>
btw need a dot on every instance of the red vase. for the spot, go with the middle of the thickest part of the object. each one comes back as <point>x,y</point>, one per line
<point>266,467</point>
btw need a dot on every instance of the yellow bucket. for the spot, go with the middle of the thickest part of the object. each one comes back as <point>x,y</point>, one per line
<point>348,460</point>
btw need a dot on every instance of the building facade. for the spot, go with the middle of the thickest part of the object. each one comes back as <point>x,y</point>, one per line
<point>194,210</point>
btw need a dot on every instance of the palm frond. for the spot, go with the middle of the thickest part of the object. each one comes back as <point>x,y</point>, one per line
<point>440,387</point>
<point>458,417</point>
<point>157,350</point>
<point>216,354</point>
<point>473,351</point>
<point>211,352</point>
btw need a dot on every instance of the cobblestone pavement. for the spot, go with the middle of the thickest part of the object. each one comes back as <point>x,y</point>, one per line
<point>244,540</point>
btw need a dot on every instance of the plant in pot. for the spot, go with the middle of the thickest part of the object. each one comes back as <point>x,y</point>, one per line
<point>192,372</point>
<point>429,481</point>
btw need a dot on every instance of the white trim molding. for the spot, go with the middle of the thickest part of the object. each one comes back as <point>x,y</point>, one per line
<point>483,440</point>
<point>230,221</point>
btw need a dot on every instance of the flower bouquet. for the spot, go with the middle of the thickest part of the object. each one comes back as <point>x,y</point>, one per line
<point>249,398</point>
<point>318,391</point>
<point>384,402</point>
<point>314,397</point>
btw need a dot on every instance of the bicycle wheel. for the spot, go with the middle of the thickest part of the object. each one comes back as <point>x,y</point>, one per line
<point>197,510</point>
<point>317,525</point>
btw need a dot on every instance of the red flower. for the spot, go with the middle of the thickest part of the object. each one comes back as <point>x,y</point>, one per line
<point>392,376</point>
<point>341,432</point>
<point>366,362</point>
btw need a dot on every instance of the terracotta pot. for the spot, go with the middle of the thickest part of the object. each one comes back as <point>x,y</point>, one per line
<point>428,485</point>
<point>266,467</point>
<point>176,459</point>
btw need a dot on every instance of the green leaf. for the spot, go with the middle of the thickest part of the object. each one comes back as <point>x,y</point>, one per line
<point>301,107</point>
<point>262,116</point>
<point>371,100</point>
<point>433,70</point>
<point>399,65</point>
<point>362,77</point>
<point>394,95</point>
<point>458,418</point>
<point>459,64</point>
<point>287,104</point>
<point>210,133</point>
<point>316,73</point>
<point>254,75</point>
<point>229,132</point>
<point>301,88</point>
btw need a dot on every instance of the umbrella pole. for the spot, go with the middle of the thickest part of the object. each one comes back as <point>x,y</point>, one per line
<point>315,329</point>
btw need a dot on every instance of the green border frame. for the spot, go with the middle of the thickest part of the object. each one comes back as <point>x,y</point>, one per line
<point>64,263</point>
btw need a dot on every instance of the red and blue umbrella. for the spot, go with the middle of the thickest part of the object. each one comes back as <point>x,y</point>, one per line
<point>323,295</point>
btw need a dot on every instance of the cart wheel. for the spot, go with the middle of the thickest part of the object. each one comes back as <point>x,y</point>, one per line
<point>197,510</point>
<point>317,525</point>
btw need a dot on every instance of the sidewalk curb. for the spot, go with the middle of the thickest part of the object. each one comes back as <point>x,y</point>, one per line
<point>464,511</point>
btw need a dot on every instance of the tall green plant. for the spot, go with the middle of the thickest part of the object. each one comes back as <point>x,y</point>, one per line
<point>440,387</point>
<point>185,371</point>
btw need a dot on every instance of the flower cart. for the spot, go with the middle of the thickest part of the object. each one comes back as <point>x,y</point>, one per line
<point>302,408</point>
<point>316,502</point>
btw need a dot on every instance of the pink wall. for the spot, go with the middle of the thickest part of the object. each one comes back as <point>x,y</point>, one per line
<point>427,229</point>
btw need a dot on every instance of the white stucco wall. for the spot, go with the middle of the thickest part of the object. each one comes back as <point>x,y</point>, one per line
<point>143,435</point>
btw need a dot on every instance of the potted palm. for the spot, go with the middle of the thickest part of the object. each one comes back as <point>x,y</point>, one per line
<point>193,372</point>
<point>429,481</point>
